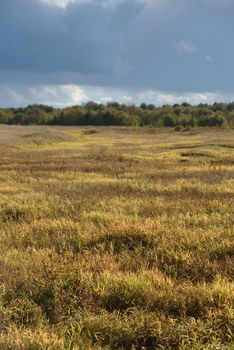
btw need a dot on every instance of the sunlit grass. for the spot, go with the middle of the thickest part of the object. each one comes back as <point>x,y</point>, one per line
<point>116,238</point>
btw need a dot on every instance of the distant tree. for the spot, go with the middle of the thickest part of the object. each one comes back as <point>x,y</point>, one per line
<point>143,106</point>
<point>114,113</point>
<point>6,116</point>
<point>92,105</point>
<point>151,107</point>
<point>185,104</point>
<point>169,121</point>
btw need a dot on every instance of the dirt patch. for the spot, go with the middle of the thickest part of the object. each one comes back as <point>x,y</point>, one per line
<point>90,132</point>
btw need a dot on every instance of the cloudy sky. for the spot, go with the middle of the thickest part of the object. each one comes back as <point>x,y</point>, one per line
<point>64,52</point>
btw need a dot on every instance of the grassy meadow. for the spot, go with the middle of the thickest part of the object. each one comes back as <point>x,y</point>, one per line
<point>116,238</point>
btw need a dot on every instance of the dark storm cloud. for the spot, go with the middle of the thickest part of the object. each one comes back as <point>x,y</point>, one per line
<point>161,45</point>
<point>82,38</point>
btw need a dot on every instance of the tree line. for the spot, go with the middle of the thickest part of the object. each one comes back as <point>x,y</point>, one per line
<point>92,113</point>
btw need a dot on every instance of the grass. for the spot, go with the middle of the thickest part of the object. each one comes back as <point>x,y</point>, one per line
<point>116,238</point>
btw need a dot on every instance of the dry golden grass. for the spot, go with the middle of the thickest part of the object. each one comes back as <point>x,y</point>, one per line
<point>116,238</point>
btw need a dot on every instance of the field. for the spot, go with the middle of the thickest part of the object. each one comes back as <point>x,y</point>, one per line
<point>116,238</point>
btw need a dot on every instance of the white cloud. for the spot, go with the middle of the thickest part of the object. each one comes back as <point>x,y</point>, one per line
<point>127,99</point>
<point>11,97</point>
<point>183,47</point>
<point>106,99</point>
<point>208,58</point>
<point>68,95</point>
<point>59,95</point>
<point>161,98</point>
<point>17,97</point>
<point>59,3</point>
<point>105,3</point>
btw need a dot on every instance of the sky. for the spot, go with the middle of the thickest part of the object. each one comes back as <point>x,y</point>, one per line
<point>68,52</point>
